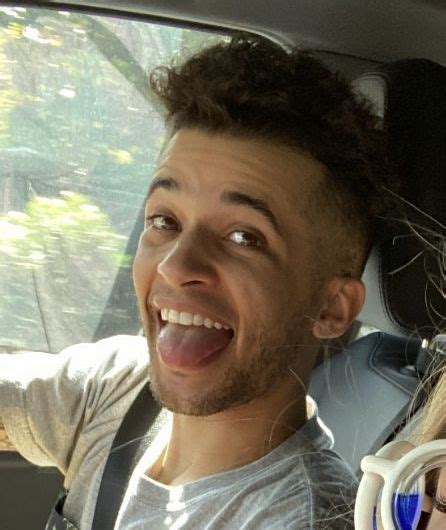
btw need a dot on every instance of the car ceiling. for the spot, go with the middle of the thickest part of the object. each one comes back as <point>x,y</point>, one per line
<point>378,30</point>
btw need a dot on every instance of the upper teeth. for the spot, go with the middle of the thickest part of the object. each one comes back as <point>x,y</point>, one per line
<point>189,319</point>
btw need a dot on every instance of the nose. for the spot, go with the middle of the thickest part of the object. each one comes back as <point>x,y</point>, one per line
<point>190,260</point>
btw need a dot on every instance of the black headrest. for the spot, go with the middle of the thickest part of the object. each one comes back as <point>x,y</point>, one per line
<point>406,273</point>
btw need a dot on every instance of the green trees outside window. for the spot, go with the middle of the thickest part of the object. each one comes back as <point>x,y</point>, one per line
<point>79,136</point>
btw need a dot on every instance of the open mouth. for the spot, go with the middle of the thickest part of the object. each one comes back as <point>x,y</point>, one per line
<point>188,340</point>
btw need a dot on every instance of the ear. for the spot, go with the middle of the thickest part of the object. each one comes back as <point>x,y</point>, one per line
<point>342,301</point>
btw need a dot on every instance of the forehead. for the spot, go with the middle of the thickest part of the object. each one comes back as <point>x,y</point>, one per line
<point>206,163</point>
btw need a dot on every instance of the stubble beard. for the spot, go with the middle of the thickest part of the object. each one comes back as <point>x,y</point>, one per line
<point>273,357</point>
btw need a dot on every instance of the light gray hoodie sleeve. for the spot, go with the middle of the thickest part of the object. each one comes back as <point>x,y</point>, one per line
<point>47,400</point>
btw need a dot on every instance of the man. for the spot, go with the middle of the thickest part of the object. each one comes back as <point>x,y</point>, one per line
<point>258,222</point>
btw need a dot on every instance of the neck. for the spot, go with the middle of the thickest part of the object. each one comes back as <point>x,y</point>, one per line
<point>202,446</point>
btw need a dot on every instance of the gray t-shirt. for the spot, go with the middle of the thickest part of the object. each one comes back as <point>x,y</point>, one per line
<point>63,410</point>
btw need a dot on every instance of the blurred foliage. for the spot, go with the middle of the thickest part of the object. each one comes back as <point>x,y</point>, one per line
<point>62,252</point>
<point>34,238</point>
<point>76,114</point>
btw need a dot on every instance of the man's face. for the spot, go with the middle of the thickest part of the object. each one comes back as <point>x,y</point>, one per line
<point>226,251</point>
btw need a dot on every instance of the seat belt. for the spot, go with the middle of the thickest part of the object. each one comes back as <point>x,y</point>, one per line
<point>129,445</point>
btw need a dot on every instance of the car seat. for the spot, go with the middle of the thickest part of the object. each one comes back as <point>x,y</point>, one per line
<point>364,393</point>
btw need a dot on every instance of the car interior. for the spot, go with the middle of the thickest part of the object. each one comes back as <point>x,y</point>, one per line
<point>394,54</point>
<point>366,393</point>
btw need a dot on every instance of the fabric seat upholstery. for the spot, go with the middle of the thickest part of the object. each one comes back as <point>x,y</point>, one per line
<point>365,392</point>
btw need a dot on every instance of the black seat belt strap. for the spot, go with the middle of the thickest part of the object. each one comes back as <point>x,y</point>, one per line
<point>128,446</point>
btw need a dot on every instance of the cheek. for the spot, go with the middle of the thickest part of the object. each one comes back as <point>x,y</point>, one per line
<point>144,267</point>
<point>261,293</point>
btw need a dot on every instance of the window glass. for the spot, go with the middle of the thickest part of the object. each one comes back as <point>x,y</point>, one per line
<point>79,136</point>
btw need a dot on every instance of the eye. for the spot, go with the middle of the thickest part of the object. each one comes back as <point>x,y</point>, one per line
<point>245,239</point>
<point>161,222</point>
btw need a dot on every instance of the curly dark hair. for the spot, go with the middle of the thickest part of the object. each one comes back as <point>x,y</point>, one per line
<point>251,87</point>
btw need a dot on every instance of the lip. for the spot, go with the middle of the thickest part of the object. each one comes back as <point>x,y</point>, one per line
<point>159,304</point>
<point>182,364</point>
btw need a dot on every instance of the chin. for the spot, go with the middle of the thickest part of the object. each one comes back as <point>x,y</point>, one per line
<point>175,397</point>
<point>232,390</point>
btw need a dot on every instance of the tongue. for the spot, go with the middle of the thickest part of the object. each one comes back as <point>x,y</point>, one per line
<point>187,346</point>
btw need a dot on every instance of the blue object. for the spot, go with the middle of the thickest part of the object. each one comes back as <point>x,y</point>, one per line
<point>374,519</point>
<point>407,510</point>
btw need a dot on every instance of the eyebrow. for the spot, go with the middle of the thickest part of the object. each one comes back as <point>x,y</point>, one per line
<point>165,183</point>
<point>227,196</point>
<point>259,205</point>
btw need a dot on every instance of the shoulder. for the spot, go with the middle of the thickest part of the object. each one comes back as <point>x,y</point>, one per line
<point>120,348</point>
<point>109,371</point>
<point>317,493</point>
<point>47,401</point>
<point>106,359</point>
<point>318,489</point>
<point>75,362</point>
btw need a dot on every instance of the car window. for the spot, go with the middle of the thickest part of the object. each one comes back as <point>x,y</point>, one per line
<point>79,136</point>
